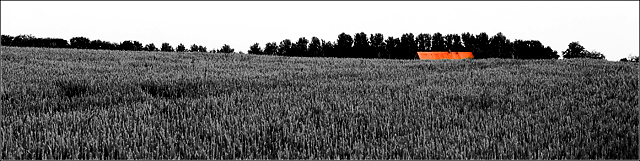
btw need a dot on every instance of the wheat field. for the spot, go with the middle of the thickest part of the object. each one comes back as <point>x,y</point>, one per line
<point>98,104</point>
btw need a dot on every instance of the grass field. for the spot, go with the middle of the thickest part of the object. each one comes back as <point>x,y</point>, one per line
<point>92,104</point>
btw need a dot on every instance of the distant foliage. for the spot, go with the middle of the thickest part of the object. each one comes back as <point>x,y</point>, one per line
<point>360,45</point>
<point>226,49</point>
<point>86,43</point>
<point>284,49</point>
<point>345,42</point>
<point>31,41</point>
<point>127,45</point>
<point>80,42</point>
<point>631,58</point>
<point>166,47</point>
<point>99,44</point>
<point>271,48</point>
<point>255,49</point>
<point>202,48</point>
<point>150,47</point>
<point>576,50</point>
<point>181,48</point>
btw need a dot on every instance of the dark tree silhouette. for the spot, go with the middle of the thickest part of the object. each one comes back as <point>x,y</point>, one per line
<point>594,54</point>
<point>271,48</point>
<point>532,49</point>
<point>6,40</point>
<point>137,46</point>
<point>202,48</point>
<point>181,48</point>
<point>631,58</point>
<point>392,45</point>
<point>255,49</point>
<point>315,47</point>
<point>284,48</point>
<point>127,45</point>
<point>482,46</point>
<point>329,49</point>
<point>193,48</point>
<point>448,43</point>
<point>438,43</point>
<point>361,46</point>
<point>423,43</point>
<point>408,47</point>
<point>150,47</point>
<point>80,42</point>
<point>575,50</point>
<point>377,45</point>
<point>166,47</point>
<point>469,41</point>
<point>300,48</point>
<point>499,47</point>
<point>457,43</point>
<point>226,49</point>
<point>345,42</point>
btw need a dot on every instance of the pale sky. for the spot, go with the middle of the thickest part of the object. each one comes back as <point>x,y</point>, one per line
<point>608,27</point>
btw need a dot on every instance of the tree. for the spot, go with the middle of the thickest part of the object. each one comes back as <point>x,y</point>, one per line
<point>457,43</point>
<point>24,40</point>
<point>575,50</point>
<point>344,45</point>
<point>448,43</point>
<point>328,49</point>
<point>271,48</point>
<point>194,48</point>
<point>255,49</point>
<point>166,47</point>
<point>361,46</point>
<point>79,42</point>
<point>284,48</point>
<point>202,49</point>
<point>181,48</point>
<point>127,45</point>
<point>226,49</point>
<point>51,42</point>
<point>150,47</point>
<point>481,46</point>
<point>593,54</point>
<point>392,47</point>
<point>315,47</point>
<point>377,45</point>
<point>97,44</point>
<point>6,40</point>
<point>301,47</point>
<point>438,43</point>
<point>137,46</point>
<point>424,41</point>
<point>468,41</point>
<point>408,47</point>
<point>499,46</point>
<point>532,49</point>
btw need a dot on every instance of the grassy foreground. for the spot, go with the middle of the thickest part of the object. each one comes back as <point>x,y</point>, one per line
<point>90,104</point>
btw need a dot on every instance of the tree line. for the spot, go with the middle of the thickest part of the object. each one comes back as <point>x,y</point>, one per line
<point>376,45</point>
<point>360,45</point>
<point>86,43</point>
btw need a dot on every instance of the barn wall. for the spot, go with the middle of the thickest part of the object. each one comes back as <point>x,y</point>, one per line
<point>435,55</point>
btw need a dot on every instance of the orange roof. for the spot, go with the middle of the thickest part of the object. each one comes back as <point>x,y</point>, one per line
<point>435,55</point>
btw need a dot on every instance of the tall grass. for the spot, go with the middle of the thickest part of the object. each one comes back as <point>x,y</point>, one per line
<point>91,104</point>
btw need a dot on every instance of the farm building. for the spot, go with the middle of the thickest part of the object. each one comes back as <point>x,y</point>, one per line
<point>435,55</point>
